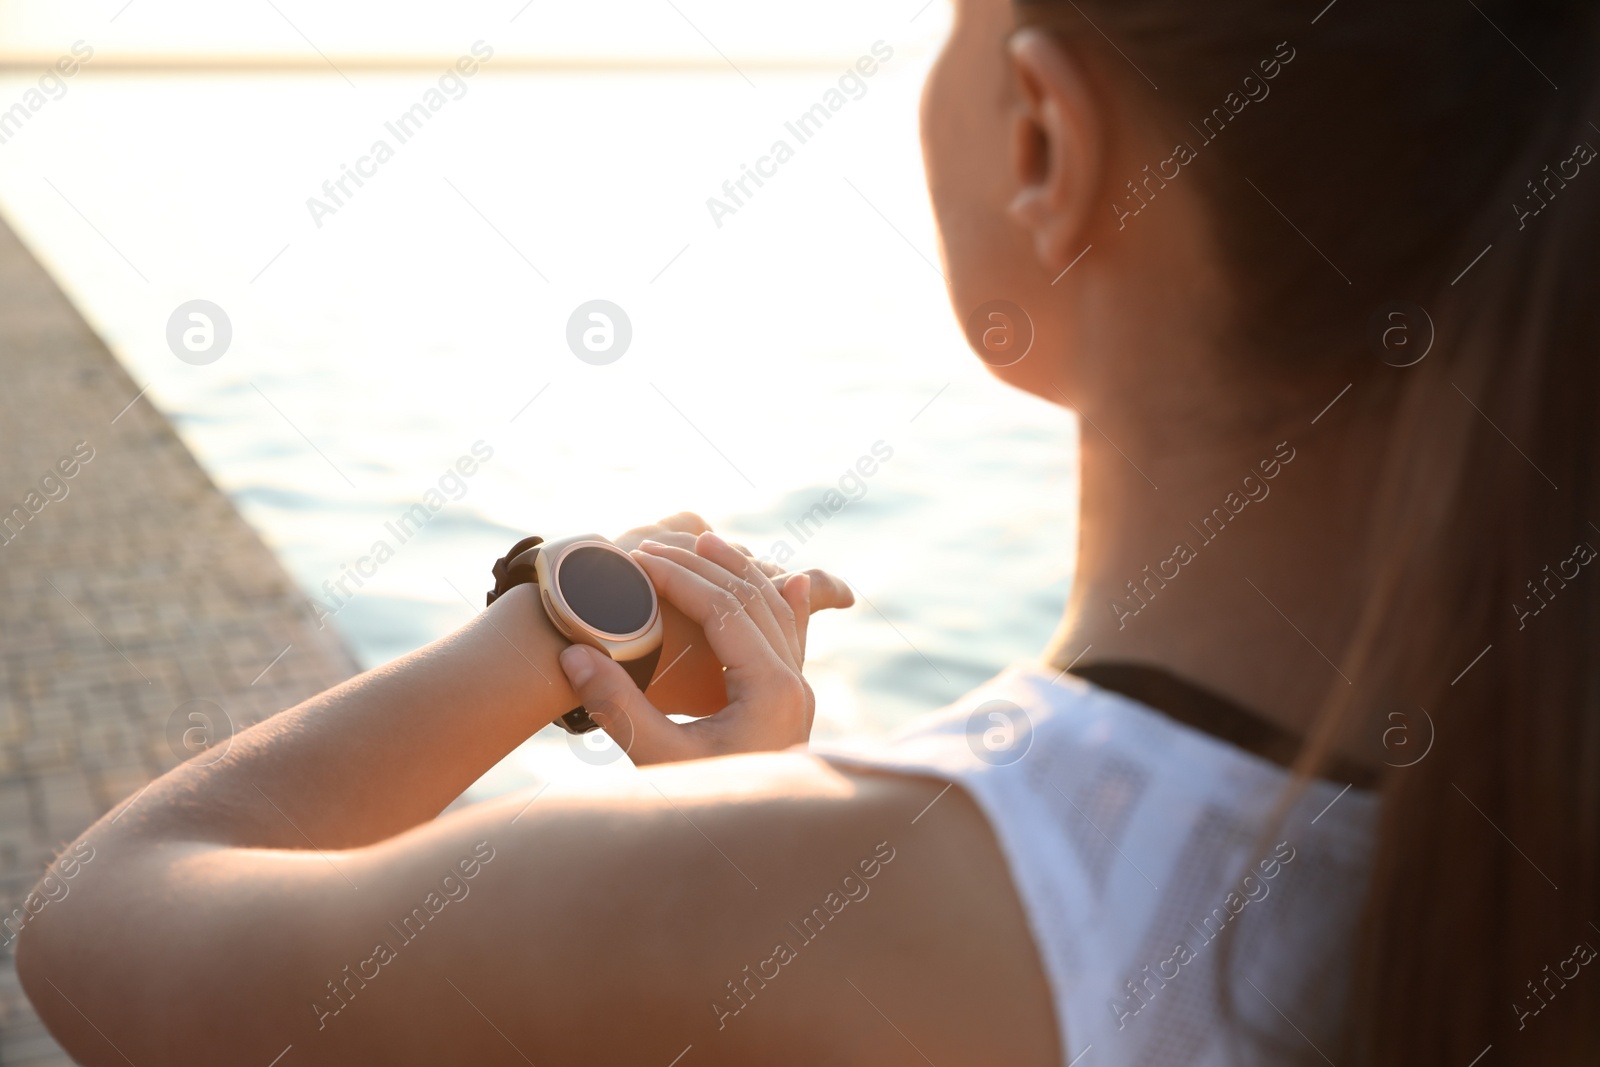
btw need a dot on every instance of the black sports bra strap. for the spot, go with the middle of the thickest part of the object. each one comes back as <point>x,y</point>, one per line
<point>1216,715</point>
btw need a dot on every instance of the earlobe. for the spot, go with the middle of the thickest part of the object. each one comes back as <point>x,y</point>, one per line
<point>1057,148</point>
<point>1031,210</point>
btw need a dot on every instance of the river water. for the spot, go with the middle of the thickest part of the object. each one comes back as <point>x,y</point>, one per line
<point>375,344</point>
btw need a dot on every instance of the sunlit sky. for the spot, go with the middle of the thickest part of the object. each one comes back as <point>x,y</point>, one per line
<point>741,30</point>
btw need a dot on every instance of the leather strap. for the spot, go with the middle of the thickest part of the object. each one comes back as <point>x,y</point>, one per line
<point>516,568</point>
<point>641,670</point>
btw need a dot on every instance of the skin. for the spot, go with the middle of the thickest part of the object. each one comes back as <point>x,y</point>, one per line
<point>1129,338</point>
<point>607,920</point>
<point>593,925</point>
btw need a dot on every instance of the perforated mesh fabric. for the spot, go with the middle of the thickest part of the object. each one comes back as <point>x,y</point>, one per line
<point>1125,833</point>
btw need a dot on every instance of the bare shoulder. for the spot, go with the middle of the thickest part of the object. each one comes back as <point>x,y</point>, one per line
<point>773,909</point>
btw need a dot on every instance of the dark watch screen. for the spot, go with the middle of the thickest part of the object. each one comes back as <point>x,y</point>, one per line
<point>605,589</point>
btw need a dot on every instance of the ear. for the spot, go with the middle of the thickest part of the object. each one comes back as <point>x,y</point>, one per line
<point>1057,150</point>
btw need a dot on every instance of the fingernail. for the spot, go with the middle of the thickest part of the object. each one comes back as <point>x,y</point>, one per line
<point>576,664</point>
<point>651,545</point>
<point>714,539</point>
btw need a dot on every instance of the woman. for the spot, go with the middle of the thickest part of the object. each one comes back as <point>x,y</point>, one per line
<point>1308,774</point>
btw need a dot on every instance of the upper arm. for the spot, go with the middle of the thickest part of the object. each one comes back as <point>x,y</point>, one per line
<point>759,909</point>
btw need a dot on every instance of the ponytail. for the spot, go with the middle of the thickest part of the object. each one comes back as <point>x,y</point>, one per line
<point>1438,166</point>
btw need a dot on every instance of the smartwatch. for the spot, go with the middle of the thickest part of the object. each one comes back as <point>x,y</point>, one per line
<point>595,594</point>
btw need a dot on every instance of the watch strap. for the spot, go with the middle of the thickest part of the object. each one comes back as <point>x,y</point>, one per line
<point>515,568</point>
<point>641,670</point>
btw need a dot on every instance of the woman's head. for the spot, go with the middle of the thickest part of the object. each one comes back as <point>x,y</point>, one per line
<point>1209,210</point>
<point>1266,176</point>
<point>1021,131</point>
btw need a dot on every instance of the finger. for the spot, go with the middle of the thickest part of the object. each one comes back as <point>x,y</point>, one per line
<point>637,536</point>
<point>720,552</point>
<point>810,704</point>
<point>616,703</point>
<point>739,644</point>
<point>828,591</point>
<point>681,530</point>
<point>748,592</point>
<point>797,592</point>
<point>670,537</point>
<point>685,522</point>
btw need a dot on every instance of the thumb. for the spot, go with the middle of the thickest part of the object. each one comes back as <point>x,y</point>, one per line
<point>615,702</point>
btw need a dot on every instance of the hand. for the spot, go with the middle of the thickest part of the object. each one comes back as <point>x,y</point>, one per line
<point>689,680</point>
<point>756,629</point>
<point>682,529</point>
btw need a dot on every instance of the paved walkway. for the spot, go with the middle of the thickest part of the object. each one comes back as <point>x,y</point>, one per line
<point>138,591</point>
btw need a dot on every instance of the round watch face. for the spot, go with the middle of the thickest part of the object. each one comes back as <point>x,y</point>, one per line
<point>605,589</point>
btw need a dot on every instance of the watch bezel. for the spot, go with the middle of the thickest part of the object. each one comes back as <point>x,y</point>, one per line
<point>627,646</point>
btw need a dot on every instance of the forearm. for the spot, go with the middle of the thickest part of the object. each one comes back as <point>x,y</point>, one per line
<point>377,755</point>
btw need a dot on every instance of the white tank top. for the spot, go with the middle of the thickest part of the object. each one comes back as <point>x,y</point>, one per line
<point>1135,845</point>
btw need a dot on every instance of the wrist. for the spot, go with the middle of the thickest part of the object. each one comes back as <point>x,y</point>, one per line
<point>519,649</point>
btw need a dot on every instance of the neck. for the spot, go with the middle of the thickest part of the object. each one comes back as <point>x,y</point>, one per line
<point>1237,567</point>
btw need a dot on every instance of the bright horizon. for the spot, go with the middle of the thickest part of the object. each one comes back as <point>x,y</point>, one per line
<point>300,33</point>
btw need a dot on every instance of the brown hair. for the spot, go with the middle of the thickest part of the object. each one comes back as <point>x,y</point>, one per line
<point>1429,161</point>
